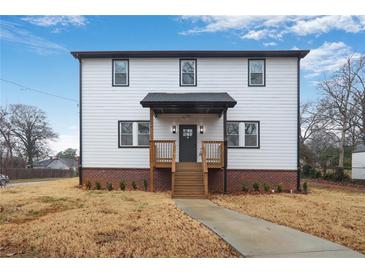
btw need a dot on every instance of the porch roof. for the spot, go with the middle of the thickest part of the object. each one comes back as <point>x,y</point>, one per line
<point>193,102</point>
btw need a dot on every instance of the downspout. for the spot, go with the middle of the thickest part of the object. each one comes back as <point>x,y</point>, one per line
<point>225,150</point>
<point>80,122</point>
<point>298,124</point>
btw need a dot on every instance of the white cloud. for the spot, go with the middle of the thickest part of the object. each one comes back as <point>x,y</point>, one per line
<point>56,21</point>
<point>12,32</point>
<point>274,27</point>
<point>326,59</point>
<point>324,24</point>
<point>63,142</point>
<point>270,44</point>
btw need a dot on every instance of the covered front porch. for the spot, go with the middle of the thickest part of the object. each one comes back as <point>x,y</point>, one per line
<point>188,136</point>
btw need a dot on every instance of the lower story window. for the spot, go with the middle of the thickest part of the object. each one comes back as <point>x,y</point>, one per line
<point>243,134</point>
<point>134,133</point>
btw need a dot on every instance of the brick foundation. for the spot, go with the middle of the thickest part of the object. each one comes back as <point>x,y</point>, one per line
<point>162,178</point>
<point>236,177</point>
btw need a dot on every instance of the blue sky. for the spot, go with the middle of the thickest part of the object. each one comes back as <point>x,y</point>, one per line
<point>34,50</point>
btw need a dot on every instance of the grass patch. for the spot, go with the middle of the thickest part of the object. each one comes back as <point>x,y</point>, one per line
<point>56,219</point>
<point>331,212</point>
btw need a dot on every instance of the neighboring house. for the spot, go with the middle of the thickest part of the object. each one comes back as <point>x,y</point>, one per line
<point>190,121</point>
<point>57,163</point>
<point>358,164</point>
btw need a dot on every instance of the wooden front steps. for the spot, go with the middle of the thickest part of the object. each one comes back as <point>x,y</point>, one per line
<point>189,181</point>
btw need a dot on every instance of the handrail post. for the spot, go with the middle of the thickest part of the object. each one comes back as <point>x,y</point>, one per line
<point>152,164</point>
<point>205,169</point>
<point>173,168</point>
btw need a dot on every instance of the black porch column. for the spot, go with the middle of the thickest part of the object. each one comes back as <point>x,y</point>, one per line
<point>225,149</point>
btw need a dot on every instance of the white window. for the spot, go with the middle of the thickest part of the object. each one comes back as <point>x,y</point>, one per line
<point>243,134</point>
<point>187,72</point>
<point>256,72</point>
<point>251,136</point>
<point>134,133</point>
<point>120,72</point>
<point>143,133</point>
<point>233,134</point>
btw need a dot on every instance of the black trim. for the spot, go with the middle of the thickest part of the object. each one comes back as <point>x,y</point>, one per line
<point>225,151</point>
<point>248,72</point>
<point>119,85</point>
<point>131,121</point>
<point>80,123</point>
<point>298,124</point>
<point>258,134</point>
<point>195,72</point>
<point>190,54</point>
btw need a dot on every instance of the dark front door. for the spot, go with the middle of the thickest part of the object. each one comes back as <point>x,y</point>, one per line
<point>187,143</point>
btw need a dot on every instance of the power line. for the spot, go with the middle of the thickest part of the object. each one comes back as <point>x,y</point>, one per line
<point>24,88</point>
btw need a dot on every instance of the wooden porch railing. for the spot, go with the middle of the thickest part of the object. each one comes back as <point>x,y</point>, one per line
<point>163,155</point>
<point>205,169</point>
<point>163,152</point>
<point>214,153</point>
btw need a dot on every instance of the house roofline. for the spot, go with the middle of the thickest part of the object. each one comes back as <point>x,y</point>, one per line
<point>189,53</point>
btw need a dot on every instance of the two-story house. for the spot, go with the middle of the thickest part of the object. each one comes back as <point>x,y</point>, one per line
<point>191,122</point>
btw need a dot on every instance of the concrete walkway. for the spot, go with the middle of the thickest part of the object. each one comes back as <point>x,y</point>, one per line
<point>254,237</point>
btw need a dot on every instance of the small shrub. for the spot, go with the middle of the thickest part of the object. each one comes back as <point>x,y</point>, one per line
<point>122,185</point>
<point>145,184</point>
<point>134,185</point>
<point>256,187</point>
<point>97,186</point>
<point>109,186</point>
<point>305,187</point>
<point>279,189</point>
<point>88,185</point>
<point>244,187</point>
<point>266,188</point>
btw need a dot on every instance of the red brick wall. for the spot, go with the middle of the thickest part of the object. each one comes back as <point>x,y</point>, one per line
<point>138,175</point>
<point>235,178</point>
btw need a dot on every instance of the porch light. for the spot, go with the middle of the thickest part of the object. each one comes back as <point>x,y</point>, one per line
<point>201,129</point>
<point>173,129</point>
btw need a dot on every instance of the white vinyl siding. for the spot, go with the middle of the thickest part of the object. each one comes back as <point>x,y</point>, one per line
<point>274,105</point>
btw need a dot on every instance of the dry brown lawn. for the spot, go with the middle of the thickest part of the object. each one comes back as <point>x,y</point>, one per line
<point>59,220</point>
<point>331,212</point>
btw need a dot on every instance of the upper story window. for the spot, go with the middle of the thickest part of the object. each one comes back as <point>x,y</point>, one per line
<point>187,72</point>
<point>256,72</point>
<point>243,134</point>
<point>120,72</point>
<point>134,133</point>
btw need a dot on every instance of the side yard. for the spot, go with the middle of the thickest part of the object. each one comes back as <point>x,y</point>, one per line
<point>59,220</point>
<point>335,213</point>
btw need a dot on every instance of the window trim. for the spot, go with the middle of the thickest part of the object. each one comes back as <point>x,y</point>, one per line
<point>248,72</point>
<point>195,72</point>
<point>258,134</point>
<point>113,75</point>
<point>119,135</point>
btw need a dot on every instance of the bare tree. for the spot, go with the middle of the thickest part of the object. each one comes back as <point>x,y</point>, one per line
<point>358,93</point>
<point>7,141</point>
<point>312,121</point>
<point>337,106</point>
<point>31,128</point>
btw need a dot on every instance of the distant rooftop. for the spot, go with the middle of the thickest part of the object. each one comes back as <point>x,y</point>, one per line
<point>189,53</point>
